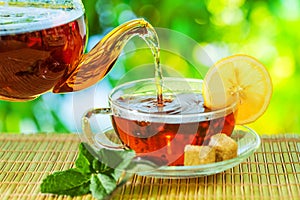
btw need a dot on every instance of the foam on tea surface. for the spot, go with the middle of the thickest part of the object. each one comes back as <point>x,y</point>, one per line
<point>184,103</point>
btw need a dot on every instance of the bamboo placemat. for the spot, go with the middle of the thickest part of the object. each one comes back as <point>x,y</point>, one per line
<point>273,172</point>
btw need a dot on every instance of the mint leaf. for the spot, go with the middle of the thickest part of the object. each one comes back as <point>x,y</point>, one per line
<point>85,158</point>
<point>116,159</point>
<point>100,167</point>
<point>87,151</point>
<point>102,185</point>
<point>70,182</point>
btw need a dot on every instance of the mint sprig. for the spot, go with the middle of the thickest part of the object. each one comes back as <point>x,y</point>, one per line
<point>95,172</point>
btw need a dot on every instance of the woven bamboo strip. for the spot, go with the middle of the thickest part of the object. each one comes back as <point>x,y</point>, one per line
<point>273,172</point>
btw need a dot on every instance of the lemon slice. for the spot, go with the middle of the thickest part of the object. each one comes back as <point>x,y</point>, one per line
<point>238,77</point>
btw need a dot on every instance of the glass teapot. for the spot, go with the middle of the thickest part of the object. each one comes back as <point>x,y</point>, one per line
<point>42,48</point>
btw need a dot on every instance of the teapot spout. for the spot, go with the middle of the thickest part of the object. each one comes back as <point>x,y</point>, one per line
<point>92,67</point>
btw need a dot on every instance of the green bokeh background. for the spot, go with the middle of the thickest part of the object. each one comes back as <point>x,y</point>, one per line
<point>265,29</point>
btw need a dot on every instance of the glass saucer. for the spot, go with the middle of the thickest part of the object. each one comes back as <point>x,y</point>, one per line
<point>248,141</point>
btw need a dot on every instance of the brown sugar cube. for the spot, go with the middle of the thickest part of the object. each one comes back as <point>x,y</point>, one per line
<point>226,148</point>
<point>197,155</point>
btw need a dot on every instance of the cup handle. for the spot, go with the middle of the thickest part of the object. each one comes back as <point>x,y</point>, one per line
<point>89,137</point>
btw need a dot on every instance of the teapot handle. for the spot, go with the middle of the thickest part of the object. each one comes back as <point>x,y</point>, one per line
<point>93,66</point>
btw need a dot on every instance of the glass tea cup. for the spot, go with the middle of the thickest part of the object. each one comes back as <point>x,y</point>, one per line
<point>158,133</point>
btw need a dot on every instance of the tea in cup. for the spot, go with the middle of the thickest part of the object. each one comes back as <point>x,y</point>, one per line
<point>159,133</point>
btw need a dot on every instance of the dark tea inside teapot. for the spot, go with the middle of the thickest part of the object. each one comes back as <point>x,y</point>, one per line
<point>42,48</point>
